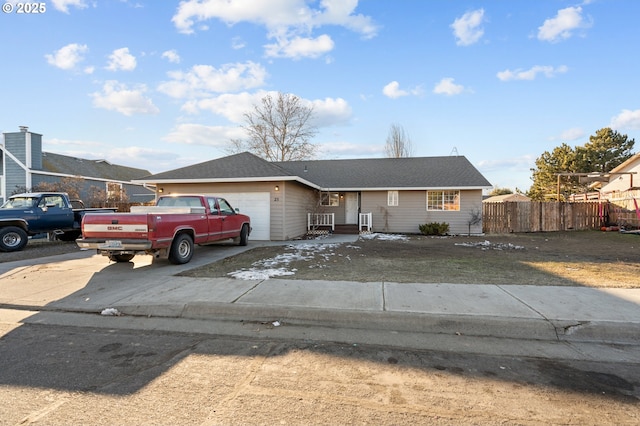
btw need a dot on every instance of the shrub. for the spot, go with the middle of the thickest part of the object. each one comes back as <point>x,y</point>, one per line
<point>434,228</point>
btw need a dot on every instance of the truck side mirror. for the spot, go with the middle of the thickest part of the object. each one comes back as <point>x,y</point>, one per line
<point>237,210</point>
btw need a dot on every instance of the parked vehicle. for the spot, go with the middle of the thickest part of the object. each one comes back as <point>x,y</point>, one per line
<point>170,229</point>
<point>29,214</point>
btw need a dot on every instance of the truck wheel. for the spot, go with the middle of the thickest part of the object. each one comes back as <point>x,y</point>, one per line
<point>121,257</point>
<point>244,236</point>
<point>12,238</point>
<point>181,250</point>
<point>69,236</point>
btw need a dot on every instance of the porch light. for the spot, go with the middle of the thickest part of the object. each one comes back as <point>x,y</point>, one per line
<point>277,188</point>
<point>160,190</point>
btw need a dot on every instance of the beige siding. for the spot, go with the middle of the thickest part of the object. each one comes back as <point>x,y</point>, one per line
<point>411,212</point>
<point>299,201</point>
<point>624,182</point>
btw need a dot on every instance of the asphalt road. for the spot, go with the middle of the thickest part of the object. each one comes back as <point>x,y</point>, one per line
<point>67,375</point>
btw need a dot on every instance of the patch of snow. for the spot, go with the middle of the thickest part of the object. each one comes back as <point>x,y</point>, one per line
<point>384,237</point>
<point>487,245</point>
<point>277,266</point>
<point>110,312</point>
<point>260,274</point>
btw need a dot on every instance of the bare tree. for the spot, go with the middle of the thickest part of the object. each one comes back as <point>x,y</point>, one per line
<point>278,129</point>
<point>398,143</point>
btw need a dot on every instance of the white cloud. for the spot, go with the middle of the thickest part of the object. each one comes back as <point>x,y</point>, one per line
<point>627,119</point>
<point>63,5</point>
<point>202,80</point>
<point>326,112</point>
<point>531,73</point>
<point>300,47</point>
<point>171,56</point>
<point>67,57</point>
<point>273,15</point>
<point>349,150</point>
<point>468,28</point>
<point>289,22</point>
<point>198,134</point>
<point>232,106</point>
<point>121,60</point>
<point>572,134</point>
<point>237,43</point>
<point>393,91</point>
<point>330,111</point>
<point>562,25</point>
<point>118,97</point>
<point>446,86</point>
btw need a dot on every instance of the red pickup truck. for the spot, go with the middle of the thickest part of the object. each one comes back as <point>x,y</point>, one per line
<point>167,230</point>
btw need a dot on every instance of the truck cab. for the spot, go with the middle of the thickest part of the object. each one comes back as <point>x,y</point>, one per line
<point>42,212</point>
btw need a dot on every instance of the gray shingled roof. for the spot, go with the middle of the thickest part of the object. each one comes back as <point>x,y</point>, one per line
<point>235,166</point>
<point>57,163</point>
<point>414,172</point>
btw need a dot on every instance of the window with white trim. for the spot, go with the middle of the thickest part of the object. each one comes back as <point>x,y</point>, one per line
<point>330,199</point>
<point>392,198</point>
<point>443,200</point>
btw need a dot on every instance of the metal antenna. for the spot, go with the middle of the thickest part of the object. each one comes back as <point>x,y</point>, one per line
<point>454,151</point>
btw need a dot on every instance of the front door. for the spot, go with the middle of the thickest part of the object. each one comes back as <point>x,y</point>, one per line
<point>351,208</point>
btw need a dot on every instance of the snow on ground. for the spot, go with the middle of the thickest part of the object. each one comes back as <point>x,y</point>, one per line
<point>279,265</point>
<point>386,237</point>
<point>487,245</point>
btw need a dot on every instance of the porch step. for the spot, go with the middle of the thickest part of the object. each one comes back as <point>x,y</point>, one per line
<point>346,229</point>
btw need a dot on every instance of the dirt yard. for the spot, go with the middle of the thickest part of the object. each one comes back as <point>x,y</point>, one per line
<point>579,258</point>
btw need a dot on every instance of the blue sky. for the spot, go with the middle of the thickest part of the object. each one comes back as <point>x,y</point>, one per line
<point>164,84</point>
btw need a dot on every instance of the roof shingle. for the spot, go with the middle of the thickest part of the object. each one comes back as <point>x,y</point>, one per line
<point>411,172</point>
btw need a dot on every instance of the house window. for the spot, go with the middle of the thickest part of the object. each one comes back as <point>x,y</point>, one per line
<point>392,198</point>
<point>443,200</point>
<point>330,199</point>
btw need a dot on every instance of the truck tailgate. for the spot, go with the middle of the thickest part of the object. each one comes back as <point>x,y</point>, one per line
<point>115,226</point>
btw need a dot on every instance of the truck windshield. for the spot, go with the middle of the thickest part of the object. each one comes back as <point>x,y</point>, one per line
<point>20,203</point>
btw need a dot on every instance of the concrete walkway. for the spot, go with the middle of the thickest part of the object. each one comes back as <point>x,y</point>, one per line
<point>85,283</point>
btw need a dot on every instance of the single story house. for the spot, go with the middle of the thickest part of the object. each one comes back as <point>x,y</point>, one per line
<point>507,198</point>
<point>23,165</point>
<point>286,200</point>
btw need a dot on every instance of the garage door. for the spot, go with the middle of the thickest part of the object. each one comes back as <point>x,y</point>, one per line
<point>256,206</point>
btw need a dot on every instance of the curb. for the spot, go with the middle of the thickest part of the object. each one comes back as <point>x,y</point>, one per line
<point>461,325</point>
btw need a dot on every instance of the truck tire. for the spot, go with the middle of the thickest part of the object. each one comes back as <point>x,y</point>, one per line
<point>244,236</point>
<point>12,238</point>
<point>69,236</point>
<point>181,249</point>
<point>121,258</point>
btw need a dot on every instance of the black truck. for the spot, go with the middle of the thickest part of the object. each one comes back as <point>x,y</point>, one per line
<point>29,214</point>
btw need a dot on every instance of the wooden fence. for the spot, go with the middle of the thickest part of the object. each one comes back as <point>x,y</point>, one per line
<point>535,216</point>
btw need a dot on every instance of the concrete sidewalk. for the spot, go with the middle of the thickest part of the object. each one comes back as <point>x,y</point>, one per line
<point>85,283</point>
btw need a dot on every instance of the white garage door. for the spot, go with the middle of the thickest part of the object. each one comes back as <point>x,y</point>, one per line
<point>256,206</point>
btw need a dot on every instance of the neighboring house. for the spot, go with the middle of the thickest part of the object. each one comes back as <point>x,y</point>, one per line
<point>393,195</point>
<point>507,197</point>
<point>621,187</point>
<point>24,165</point>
